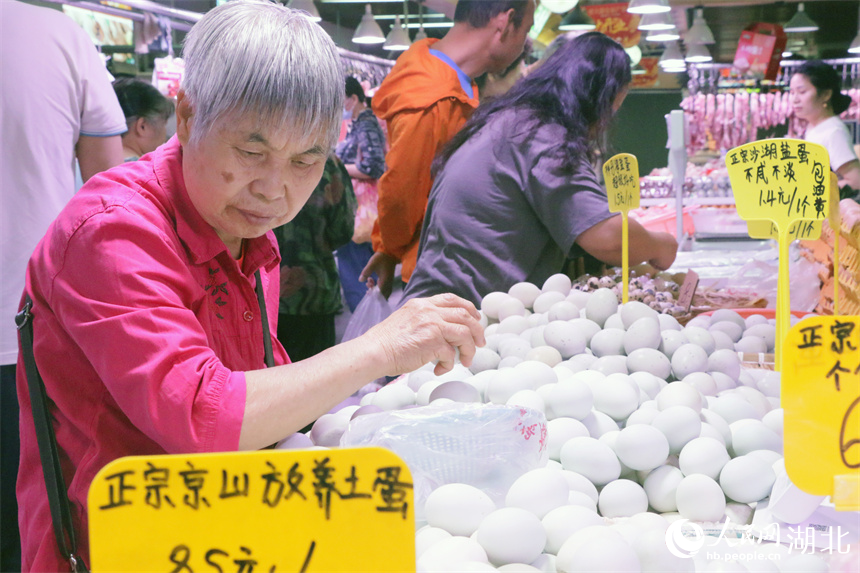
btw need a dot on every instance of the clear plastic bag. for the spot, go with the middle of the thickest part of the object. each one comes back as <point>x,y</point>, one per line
<point>485,445</point>
<point>373,309</point>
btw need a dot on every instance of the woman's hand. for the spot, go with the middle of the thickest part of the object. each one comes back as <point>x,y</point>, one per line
<point>383,265</point>
<point>426,330</point>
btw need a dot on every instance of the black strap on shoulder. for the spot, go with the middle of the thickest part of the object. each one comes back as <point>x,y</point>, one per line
<point>58,498</point>
<point>267,337</point>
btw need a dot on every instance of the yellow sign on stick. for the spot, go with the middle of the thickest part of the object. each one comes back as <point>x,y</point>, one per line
<point>340,510</point>
<point>621,174</point>
<point>821,401</point>
<point>784,182</point>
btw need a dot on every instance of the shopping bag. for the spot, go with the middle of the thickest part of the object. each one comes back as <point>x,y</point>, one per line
<point>373,309</point>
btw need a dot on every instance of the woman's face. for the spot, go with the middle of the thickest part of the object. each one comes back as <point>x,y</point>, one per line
<point>806,102</point>
<point>245,178</point>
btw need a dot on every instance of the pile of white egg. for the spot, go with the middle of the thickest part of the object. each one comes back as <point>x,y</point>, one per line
<point>629,452</point>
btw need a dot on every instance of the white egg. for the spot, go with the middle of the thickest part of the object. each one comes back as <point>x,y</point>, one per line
<point>518,568</point>
<point>588,328</point>
<point>634,311</point>
<point>456,391</point>
<point>750,435</point>
<point>644,333</point>
<point>602,304</point>
<point>534,335</point>
<point>491,329</point>
<point>394,397</point>
<point>700,321</point>
<point>622,498</point>
<point>641,416</point>
<point>754,319</point>
<point>511,307</point>
<point>515,346</point>
<point>755,398</point>
<point>769,385</point>
<point>578,483</point>
<point>700,498</point>
<point>648,382</point>
<point>679,394</point>
<point>563,310</point>
<point>490,304</point>
<point>484,359</point>
<point>718,423</point>
<point>649,360</point>
<point>774,420</point>
<point>527,399</point>
<point>767,456</point>
<point>457,508</point>
<point>614,321</point>
<point>605,551</point>
<point>669,322</point>
<point>513,324</point>
<point>564,337</point>
<point>571,398</point>
<point>561,523</point>
<point>558,282</point>
<point>654,555</point>
<point>616,396</point>
<point>732,407</point>
<point>536,373</point>
<point>708,431</point>
<point>722,341</point>
<point>608,342</point>
<point>727,315</point>
<point>751,344</point>
<point>599,423</point>
<point>563,372</point>
<point>559,431</point>
<point>689,358</point>
<point>591,458</point>
<point>726,361</point>
<point>525,292</point>
<point>545,562</point>
<point>580,362</point>
<point>511,535</point>
<point>537,319</point>
<point>700,337</point>
<point>723,381</point>
<point>328,429</point>
<point>747,479</point>
<point>661,486</point>
<point>428,536</point>
<point>505,384</point>
<point>670,341</point>
<point>546,354</point>
<point>703,382</point>
<point>509,362</point>
<point>705,456</point>
<point>453,551</point>
<point>733,331</point>
<point>538,491</point>
<point>546,300</point>
<point>610,365</point>
<point>804,564</point>
<point>766,332</point>
<point>679,424</point>
<point>641,447</point>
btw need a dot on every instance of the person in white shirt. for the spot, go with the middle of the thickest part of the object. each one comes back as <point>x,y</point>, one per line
<point>56,105</point>
<point>816,97</point>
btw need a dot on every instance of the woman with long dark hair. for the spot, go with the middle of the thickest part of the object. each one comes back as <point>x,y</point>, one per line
<point>816,97</point>
<point>515,190</point>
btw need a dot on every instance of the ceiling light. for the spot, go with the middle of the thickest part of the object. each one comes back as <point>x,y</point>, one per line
<point>559,6</point>
<point>800,22</point>
<point>663,35</point>
<point>699,32</point>
<point>656,21</point>
<point>420,34</point>
<point>413,25</point>
<point>368,31</point>
<point>855,45</point>
<point>698,54</point>
<point>577,19</point>
<point>397,40</point>
<point>638,70</point>
<point>635,53</point>
<point>647,6</point>
<point>674,70</point>
<point>672,56</point>
<point>307,6</point>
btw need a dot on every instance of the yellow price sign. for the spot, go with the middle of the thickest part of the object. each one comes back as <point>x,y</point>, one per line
<point>344,510</point>
<point>621,174</point>
<point>821,401</point>
<point>783,182</point>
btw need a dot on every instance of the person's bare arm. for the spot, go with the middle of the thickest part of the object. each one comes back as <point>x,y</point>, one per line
<point>97,154</point>
<point>355,173</point>
<point>603,241</point>
<point>282,400</point>
<point>849,174</point>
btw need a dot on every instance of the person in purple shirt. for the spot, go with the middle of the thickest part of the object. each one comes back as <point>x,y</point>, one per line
<point>148,331</point>
<point>515,191</point>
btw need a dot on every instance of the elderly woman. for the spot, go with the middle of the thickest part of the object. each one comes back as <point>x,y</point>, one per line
<point>148,332</point>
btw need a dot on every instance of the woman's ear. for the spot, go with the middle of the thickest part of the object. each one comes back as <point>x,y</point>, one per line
<point>184,116</point>
<point>138,128</point>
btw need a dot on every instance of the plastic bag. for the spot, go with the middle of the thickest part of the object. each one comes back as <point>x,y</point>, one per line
<point>485,445</point>
<point>373,309</point>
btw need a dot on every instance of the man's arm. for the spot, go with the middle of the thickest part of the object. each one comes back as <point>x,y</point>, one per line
<point>97,154</point>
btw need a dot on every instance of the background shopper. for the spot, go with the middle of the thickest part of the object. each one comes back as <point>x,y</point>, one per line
<point>146,113</point>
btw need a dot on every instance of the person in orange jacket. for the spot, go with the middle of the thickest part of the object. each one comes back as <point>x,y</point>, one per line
<point>425,100</point>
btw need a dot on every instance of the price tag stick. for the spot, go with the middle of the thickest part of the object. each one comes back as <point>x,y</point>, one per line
<point>621,175</point>
<point>783,183</point>
<point>835,222</point>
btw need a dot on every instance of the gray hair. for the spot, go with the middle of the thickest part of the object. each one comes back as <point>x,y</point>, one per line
<point>252,57</point>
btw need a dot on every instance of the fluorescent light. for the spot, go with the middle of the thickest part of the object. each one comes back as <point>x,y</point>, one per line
<point>855,45</point>
<point>577,19</point>
<point>672,56</point>
<point>647,6</point>
<point>368,31</point>
<point>656,21</point>
<point>699,32</point>
<point>413,25</point>
<point>663,35</point>
<point>307,6</point>
<point>397,40</point>
<point>559,6</point>
<point>698,54</point>
<point>800,22</point>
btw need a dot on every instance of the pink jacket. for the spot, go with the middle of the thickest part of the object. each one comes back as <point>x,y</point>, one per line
<point>144,326</point>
